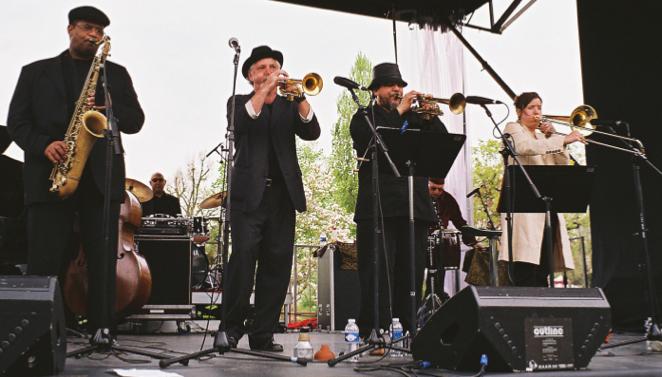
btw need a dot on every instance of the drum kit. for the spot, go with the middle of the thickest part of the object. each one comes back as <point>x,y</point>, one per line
<point>443,253</point>
<point>163,225</point>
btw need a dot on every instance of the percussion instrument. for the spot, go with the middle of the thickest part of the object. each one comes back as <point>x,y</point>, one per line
<point>139,189</point>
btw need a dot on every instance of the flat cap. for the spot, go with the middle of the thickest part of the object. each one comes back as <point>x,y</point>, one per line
<point>88,13</point>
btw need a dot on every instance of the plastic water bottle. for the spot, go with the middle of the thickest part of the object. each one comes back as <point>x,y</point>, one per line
<point>303,349</point>
<point>352,338</point>
<point>322,239</point>
<point>396,334</point>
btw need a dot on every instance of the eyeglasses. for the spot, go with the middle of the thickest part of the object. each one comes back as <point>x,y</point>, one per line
<point>86,27</point>
<point>158,179</point>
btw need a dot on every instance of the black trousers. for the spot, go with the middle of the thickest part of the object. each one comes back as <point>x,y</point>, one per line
<point>396,234</point>
<point>263,237</point>
<point>53,242</point>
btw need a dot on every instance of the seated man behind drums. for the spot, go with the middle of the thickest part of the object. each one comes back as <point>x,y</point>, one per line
<point>447,211</point>
<point>161,203</point>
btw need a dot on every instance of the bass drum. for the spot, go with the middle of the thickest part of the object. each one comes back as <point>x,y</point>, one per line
<point>199,266</point>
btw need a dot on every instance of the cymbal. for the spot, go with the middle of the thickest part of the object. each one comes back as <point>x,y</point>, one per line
<point>213,201</point>
<point>139,189</point>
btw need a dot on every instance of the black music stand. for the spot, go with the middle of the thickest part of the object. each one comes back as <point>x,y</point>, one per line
<point>568,187</point>
<point>424,154</point>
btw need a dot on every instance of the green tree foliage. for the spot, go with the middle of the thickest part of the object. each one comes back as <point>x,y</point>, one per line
<point>487,173</point>
<point>342,161</point>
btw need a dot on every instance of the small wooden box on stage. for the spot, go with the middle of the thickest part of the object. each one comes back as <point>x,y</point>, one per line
<point>169,260</point>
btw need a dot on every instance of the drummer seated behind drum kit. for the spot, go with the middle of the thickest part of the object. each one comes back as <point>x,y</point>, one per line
<point>166,225</point>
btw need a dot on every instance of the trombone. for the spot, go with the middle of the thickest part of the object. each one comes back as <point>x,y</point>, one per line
<point>580,120</point>
<point>311,84</point>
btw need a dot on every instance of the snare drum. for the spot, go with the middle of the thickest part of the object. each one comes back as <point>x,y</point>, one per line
<point>449,240</point>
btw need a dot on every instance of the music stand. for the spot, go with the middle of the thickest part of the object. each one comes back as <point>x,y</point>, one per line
<point>553,183</point>
<point>424,154</point>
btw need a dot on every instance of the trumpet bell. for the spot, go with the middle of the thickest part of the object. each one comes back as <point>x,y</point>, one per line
<point>457,103</point>
<point>428,107</point>
<point>312,84</point>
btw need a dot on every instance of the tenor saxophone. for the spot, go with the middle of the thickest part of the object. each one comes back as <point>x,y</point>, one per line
<point>85,127</point>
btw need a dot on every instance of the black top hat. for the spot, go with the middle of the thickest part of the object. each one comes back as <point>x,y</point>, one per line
<point>386,73</point>
<point>260,52</point>
<point>88,13</point>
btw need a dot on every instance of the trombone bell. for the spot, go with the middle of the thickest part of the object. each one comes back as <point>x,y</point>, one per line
<point>580,119</point>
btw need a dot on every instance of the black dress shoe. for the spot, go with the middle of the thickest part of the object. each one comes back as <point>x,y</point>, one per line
<point>269,346</point>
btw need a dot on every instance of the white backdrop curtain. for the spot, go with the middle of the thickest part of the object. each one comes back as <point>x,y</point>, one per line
<point>433,62</point>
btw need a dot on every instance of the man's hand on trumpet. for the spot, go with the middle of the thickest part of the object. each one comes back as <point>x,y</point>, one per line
<point>406,102</point>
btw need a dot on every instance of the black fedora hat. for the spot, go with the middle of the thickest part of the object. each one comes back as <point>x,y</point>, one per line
<point>258,53</point>
<point>386,73</point>
<point>88,13</point>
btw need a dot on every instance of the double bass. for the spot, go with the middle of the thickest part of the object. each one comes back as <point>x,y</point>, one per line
<point>133,279</point>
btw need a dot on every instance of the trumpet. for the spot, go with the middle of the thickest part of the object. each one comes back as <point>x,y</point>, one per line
<point>580,120</point>
<point>311,84</point>
<point>428,106</point>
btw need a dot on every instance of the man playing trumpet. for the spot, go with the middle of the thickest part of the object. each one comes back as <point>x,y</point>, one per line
<point>392,108</point>
<point>266,190</point>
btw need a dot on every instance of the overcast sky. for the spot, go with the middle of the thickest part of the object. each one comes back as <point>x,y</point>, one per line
<point>178,56</point>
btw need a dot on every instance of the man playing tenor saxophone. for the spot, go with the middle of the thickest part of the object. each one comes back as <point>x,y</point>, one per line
<point>49,92</point>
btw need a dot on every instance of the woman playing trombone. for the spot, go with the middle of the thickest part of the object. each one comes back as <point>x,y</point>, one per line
<point>536,143</point>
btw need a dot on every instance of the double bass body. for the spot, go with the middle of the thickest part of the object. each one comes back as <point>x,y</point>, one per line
<point>133,278</point>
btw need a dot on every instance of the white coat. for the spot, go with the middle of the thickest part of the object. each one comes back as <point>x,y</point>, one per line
<point>528,228</point>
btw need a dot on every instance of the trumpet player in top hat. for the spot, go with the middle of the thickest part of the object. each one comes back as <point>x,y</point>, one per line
<point>266,191</point>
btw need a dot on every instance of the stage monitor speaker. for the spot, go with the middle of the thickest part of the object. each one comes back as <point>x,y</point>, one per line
<point>518,328</point>
<point>169,261</point>
<point>32,329</point>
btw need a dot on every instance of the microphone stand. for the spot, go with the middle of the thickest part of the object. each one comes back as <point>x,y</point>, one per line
<point>102,339</point>
<point>509,150</point>
<point>221,343</point>
<point>376,146</point>
<point>485,209</point>
<point>654,331</point>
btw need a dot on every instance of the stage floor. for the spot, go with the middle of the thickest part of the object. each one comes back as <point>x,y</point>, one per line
<point>630,360</point>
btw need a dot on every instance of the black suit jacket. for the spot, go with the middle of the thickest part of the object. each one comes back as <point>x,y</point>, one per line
<point>39,114</point>
<point>394,191</point>
<point>166,204</point>
<point>251,159</point>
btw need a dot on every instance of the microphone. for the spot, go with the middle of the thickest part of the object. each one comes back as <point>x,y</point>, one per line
<point>476,100</point>
<point>347,83</point>
<point>474,192</point>
<point>234,43</point>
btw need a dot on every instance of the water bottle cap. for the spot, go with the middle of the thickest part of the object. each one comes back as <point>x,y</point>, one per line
<point>304,337</point>
<point>395,319</point>
<point>351,320</point>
